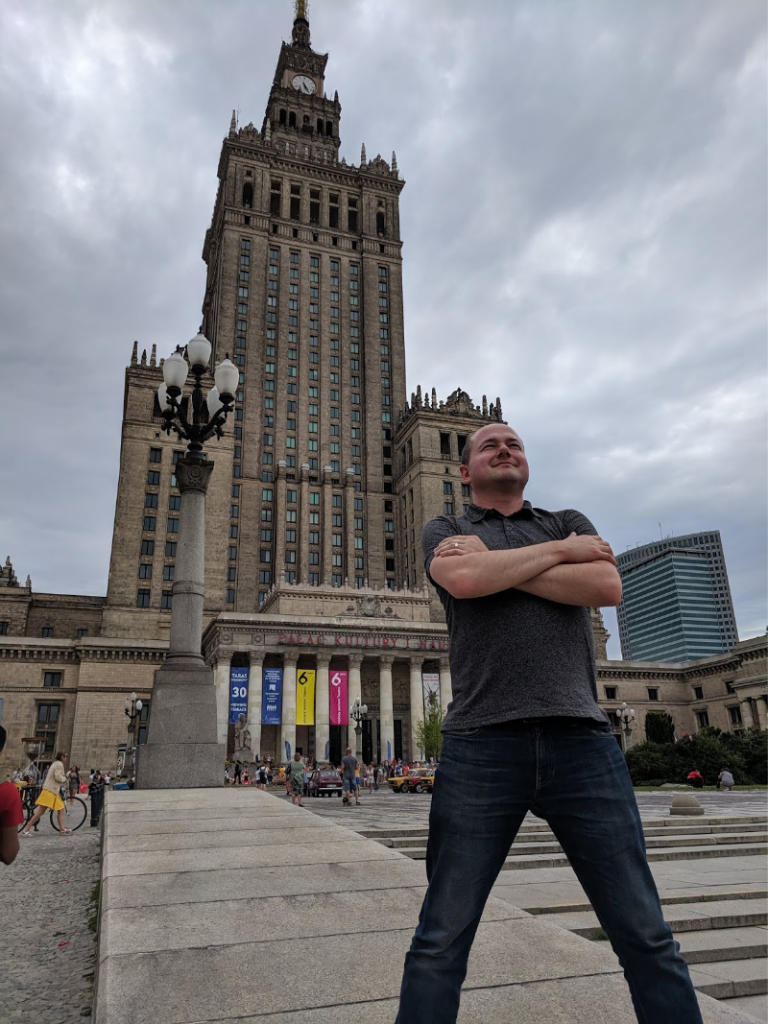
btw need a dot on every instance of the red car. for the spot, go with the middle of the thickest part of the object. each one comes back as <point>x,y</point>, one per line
<point>324,782</point>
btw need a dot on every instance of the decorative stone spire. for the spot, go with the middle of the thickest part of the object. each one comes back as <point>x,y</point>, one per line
<point>135,353</point>
<point>268,132</point>
<point>417,401</point>
<point>434,398</point>
<point>498,409</point>
<point>233,125</point>
<point>143,357</point>
<point>300,32</point>
<point>363,157</point>
<point>7,575</point>
<point>394,163</point>
<point>153,356</point>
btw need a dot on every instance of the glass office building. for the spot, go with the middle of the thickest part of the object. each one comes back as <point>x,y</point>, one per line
<point>676,604</point>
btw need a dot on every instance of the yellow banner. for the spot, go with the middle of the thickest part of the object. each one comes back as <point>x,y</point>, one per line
<point>305,697</point>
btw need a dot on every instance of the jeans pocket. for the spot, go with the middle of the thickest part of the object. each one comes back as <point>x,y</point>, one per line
<point>463,734</point>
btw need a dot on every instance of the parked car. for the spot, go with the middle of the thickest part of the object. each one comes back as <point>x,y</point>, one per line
<point>418,780</point>
<point>324,782</point>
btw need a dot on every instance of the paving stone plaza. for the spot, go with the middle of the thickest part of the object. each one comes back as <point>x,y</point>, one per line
<point>361,873</point>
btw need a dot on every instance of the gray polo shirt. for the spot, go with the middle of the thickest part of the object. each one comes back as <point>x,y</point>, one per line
<point>514,655</point>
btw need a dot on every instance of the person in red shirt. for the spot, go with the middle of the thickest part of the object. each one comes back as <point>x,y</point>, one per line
<point>695,779</point>
<point>11,815</point>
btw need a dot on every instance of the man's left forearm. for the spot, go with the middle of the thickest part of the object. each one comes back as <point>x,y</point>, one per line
<point>590,584</point>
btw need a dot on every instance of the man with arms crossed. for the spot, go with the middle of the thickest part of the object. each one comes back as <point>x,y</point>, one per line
<point>524,732</point>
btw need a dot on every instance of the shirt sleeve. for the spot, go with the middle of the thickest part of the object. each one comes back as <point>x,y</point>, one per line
<point>577,522</point>
<point>11,811</point>
<point>435,531</point>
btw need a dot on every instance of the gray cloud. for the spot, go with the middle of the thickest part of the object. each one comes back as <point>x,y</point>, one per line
<point>584,224</point>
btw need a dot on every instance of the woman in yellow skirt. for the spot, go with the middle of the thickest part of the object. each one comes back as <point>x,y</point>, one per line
<point>50,797</point>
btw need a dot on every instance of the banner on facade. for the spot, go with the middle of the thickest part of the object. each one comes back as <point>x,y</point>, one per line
<point>430,682</point>
<point>305,697</point>
<point>238,693</point>
<point>272,696</point>
<point>337,695</point>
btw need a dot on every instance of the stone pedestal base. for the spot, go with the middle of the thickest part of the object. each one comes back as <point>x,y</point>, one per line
<point>686,803</point>
<point>182,749</point>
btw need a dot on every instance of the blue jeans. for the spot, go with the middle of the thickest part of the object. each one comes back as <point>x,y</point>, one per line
<point>572,773</point>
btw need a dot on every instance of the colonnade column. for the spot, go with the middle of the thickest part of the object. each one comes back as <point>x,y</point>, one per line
<point>255,686</point>
<point>746,714</point>
<point>288,727</point>
<point>417,705</point>
<point>386,707</point>
<point>446,693</point>
<point>762,711</point>
<point>355,689</point>
<point>322,729</point>
<point>221,685</point>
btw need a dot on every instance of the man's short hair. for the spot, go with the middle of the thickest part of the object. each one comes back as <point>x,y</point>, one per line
<point>466,451</point>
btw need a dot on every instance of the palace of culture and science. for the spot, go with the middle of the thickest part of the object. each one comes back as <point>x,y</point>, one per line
<point>315,586</point>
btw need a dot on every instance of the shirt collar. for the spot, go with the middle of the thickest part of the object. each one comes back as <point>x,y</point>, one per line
<point>476,514</point>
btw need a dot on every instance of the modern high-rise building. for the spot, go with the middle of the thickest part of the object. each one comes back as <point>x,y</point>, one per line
<point>676,604</point>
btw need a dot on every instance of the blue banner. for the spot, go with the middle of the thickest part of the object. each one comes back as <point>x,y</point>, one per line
<point>238,694</point>
<point>272,696</point>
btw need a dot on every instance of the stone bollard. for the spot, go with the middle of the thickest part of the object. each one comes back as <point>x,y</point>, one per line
<point>686,803</point>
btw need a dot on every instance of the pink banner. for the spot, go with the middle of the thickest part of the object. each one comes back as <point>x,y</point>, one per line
<point>337,694</point>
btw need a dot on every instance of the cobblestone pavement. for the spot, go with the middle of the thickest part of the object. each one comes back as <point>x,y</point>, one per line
<point>47,952</point>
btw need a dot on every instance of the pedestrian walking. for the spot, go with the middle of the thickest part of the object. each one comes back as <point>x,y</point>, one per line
<point>261,778</point>
<point>517,584</point>
<point>73,780</point>
<point>295,776</point>
<point>50,796</point>
<point>11,814</point>
<point>349,770</point>
<point>96,788</point>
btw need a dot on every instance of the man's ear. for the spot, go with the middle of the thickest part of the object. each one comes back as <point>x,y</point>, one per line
<point>464,470</point>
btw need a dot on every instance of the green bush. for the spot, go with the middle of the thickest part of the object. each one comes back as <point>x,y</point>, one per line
<point>709,751</point>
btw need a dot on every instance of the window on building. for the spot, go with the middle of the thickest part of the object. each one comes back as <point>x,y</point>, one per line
<point>145,572</point>
<point>653,693</point>
<point>170,549</point>
<point>702,719</point>
<point>611,693</point>
<point>698,693</point>
<point>52,679</point>
<point>445,445</point>
<point>166,599</point>
<point>155,454</point>
<point>735,715</point>
<point>142,598</point>
<point>4,627</point>
<point>46,631</point>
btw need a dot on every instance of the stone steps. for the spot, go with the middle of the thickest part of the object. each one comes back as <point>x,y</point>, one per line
<point>536,845</point>
<point>724,941</point>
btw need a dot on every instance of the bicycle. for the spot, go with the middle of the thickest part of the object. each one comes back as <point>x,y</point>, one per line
<point>75,810</point>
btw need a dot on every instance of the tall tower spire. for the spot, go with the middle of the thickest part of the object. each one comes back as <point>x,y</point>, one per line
<point>300,32</point>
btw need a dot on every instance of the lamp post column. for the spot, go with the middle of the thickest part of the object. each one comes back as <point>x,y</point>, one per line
<point>417,705</point>
<point>288,728</point>
<point>322,719</point>
<point>386,707</point>
<point>183,749</point>
<point>355,692</point>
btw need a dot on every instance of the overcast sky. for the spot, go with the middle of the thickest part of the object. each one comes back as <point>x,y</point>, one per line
<point>584,226</point>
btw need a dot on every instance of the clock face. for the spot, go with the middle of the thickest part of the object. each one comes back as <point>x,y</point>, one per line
<point>304,84</point>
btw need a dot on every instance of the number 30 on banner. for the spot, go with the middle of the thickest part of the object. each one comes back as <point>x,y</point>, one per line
<point>239,691</point>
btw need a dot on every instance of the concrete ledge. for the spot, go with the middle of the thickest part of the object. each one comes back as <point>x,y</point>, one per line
<point>198,923</point>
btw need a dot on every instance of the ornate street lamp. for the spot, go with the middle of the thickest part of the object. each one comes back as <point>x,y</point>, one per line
<point>357,712</point>
<point>133,708</point>
<point>182,748</point>
<point>626,719</point>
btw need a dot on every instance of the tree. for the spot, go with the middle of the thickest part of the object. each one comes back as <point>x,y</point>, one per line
<point>428,734</point>
<point>659,727</point>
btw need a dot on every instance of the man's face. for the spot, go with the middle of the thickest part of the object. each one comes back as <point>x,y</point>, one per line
<point>496,460</point>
